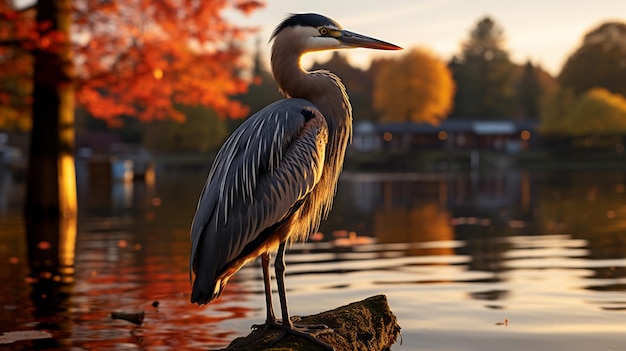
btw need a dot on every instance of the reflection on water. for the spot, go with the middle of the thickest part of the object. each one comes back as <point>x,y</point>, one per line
<point>502,260</point>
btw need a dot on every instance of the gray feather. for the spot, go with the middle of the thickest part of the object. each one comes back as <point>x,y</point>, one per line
<point>265,167</point>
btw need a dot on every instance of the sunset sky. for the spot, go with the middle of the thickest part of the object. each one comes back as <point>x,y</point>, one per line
<point>546,32</point>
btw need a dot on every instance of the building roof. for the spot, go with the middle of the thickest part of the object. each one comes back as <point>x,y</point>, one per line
<point>481,127</point>
<point>493,127</point>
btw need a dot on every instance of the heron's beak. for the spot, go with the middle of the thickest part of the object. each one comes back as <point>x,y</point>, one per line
<point>354,40</point>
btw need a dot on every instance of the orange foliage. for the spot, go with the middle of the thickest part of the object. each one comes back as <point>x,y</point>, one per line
<point>16,34</point>
<point>417,87</point>
<point>140,58</point>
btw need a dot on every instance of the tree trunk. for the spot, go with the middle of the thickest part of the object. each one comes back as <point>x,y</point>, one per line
<point>51,183</point>
<point>366,325</point>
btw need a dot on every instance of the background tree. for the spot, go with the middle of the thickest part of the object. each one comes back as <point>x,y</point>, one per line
<point>15,68</point>
<point>128,58</point>
<point>51,179</point>
<point>589,104</point>
<point>529,92</point>
<point>161,54</point>
<point>417,87</point>
<point>554,111</point>
<point>600,61</point>
<point>484,75</point>
<point>597,112</point>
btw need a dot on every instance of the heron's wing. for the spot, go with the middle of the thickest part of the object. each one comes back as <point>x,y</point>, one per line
<point>262,173</point>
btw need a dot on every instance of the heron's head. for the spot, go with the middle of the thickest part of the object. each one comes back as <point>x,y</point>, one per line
<point>312,32</point>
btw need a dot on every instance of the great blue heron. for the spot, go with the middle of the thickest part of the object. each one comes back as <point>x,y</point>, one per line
<point>275,177</point>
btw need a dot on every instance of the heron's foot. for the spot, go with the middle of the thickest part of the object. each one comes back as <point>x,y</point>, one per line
<point>308,332</point>
<point>270,323</point>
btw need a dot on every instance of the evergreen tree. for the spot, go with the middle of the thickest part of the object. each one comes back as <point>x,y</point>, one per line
<point>529,92</point>
<point>484,75</point>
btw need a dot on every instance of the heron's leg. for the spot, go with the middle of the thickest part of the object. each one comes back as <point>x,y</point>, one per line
<point>270,319</point>
<point>280,280</point>
<point>267,282</point>
<point>288,326</point>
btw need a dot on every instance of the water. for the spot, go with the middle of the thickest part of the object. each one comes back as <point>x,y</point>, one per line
<point>512,260</point>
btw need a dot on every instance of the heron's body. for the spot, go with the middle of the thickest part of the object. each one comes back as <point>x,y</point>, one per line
<point>254,205</point>
<point>275,177</point>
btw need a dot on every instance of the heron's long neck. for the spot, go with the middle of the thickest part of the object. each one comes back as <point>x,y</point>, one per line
<point>325,91</point>
<point>292,80</point>
<point>322,88</point>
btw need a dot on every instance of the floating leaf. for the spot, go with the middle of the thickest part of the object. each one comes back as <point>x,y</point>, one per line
<point>135,318</point>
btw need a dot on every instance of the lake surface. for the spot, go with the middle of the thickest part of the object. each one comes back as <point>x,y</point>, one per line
<point>499,260</point>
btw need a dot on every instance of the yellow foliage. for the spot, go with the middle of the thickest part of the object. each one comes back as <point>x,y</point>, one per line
<point>11,118</point>
<point>417,87</point>
<point>599,111</point>
<point>596,112</point>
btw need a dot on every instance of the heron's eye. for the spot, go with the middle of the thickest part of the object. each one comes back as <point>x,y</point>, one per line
<point>323,31</point>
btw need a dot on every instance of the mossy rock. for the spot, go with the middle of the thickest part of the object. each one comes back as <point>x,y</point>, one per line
<point>367,325</point>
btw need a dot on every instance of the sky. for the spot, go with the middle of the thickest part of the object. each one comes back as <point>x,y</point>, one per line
<point>543,31</point>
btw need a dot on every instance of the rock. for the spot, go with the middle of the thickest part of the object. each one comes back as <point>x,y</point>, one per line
<point>366,325</point>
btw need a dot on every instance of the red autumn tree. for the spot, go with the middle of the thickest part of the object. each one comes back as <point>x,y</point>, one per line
<point>139,57</point>
<point>116,58</point>
<point>16,66</point>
